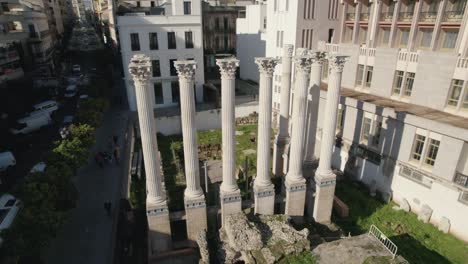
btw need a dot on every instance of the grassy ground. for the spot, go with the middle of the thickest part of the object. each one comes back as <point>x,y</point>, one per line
<point>303,258</point>
<point>417,242</point>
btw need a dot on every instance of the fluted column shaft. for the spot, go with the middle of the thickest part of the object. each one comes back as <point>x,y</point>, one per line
<point>140,69</point>
<point>313,105</point>
<point>302,64</point>
<point>336,64</point>
<point>186,72</point>
<point>286,62</point>
<point>228,87</point>
<point>266,67</point>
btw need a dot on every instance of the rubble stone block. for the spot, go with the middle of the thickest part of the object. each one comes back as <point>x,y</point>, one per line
<point>425,214</point>
<point>444,224</point>
<point>404,204</point>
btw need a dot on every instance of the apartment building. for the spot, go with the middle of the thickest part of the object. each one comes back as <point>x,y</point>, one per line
<point>219,35</point>
<point>25,39</point>
<point>301,23</point>
<point>403,120</point>
<point>166,32</point>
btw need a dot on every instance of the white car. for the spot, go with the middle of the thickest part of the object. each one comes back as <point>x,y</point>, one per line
<point>9,207</point>
<point>39,167</point>
<point>70,91</point>
<point>76,68</point>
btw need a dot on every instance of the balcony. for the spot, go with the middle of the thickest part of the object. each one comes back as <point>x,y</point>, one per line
<point>350,16</point>
<point>452,16</point>
<point>428,17</point>
<point>364,17</point>
<point>461,180</point>
<point>405,16</point>
<point>386,16</point>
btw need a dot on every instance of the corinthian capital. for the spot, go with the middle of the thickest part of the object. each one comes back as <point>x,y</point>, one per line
<point>336,62</point>
<point>140,68</point>
<point>302,64</point>
<point>186,69</point>
<point>288,50</point>
<point>317,56</point>
<point>266,65</point>
<point>227,67</point>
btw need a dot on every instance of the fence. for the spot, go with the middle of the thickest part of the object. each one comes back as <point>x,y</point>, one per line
<point>384,240</point>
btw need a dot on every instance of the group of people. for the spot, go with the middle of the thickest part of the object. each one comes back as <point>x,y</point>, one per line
<point>113,153</point>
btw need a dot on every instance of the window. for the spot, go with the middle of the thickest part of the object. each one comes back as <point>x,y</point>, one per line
<point>450,39</point>
<point>187,8</point>
<point>385,35</point>
<point>171,40</point>
<point>134,41</point>
<point>418,146</point>
<point>156,68</point>
<point>455,92</point>
<point>173,70</point>
<point>369,76</point>
<point>463,197</point>
<point>404,36</point>
<point>188,40</point>
<point>153,40</point>
<point>376,135</point>
<point>226,24</point>
<point>152,4</point>
<point>432,150</point>
<point>397,82</point>
<point>360,73</point>
<point>175,92</point>
<point>366,130</point>
<point>138,4</point>
<point>331,32</point>
<point>264,23</point>
<point>158,93</point>
<point>217,23</point>
<point>465,101</point>
<point>426,38</point>
<point>287,5</point>
<point>279,39</point>
<point>409,83</point>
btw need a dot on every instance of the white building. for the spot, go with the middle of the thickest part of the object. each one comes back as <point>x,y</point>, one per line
<point>403,119</point>
<point>251,40</point>
<point>165,33</point>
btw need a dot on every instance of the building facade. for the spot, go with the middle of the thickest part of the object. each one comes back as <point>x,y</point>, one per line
<point>402,126</point>
<point>219,35</point>
<point>166,33</point>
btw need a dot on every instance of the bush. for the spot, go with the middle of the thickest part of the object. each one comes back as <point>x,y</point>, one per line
<point>90,111</point>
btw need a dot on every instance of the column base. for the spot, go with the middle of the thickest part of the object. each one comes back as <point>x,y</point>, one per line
<point>295,199</point>
<point>264,199</point>
<point>159,228</point>
<point>279,148</point>
<point>324,195</point>
<point>196,218</point>
<point>231,203</point>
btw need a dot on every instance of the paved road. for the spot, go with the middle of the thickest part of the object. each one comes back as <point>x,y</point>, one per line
<point>88,235</point>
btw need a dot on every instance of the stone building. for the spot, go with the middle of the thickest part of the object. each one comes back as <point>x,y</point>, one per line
<point>402,119</point>
<point>219,35</point>
<point>166,32</point>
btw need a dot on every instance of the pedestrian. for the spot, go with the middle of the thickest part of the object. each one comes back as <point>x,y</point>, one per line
<point>115,138</point>
<point>117,154</point>
<point>108,207</point>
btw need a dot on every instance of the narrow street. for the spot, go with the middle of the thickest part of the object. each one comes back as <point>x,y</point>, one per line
<point>88,235</point>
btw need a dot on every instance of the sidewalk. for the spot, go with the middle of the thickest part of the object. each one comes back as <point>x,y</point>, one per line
<point>87,236</point>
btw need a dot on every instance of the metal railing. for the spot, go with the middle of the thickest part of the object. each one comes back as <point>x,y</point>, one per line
<point>404,55</point>
<point>452,16</point>
<point>405,16</point>
<point>386,16</point>
<point>383,239</point>
<point>350,16</point>
<point>462,63</point>
<point>428,16</point>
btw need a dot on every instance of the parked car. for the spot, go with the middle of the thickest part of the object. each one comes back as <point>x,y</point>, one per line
<point>83,98</point>
<point>70,91</point>
<point>76,69</point>
<point>7,159</point>
<point>39,167</point>
<point>9,207</point>
<point>50,106</point>
<point>33,122</point>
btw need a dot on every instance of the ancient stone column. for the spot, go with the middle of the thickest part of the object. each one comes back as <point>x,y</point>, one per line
<point>325,179</point>
<point>194,199</point>
<point>313,106</point>
<point>264,190</point>
<point>156,206</point>
<point>282,138</point>
<point>230,195</point>
<point>295,183</point>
